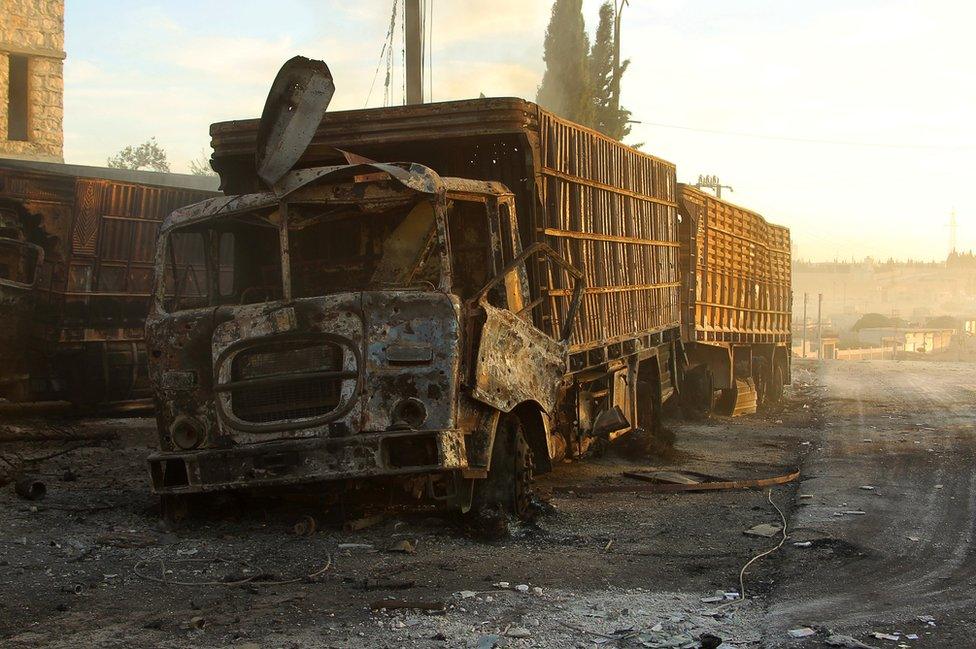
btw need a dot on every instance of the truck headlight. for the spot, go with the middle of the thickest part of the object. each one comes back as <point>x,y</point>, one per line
<point>187,433</point>
<point>409,413</point>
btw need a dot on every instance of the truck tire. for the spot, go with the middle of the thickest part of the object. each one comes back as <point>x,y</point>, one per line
<point>775,392</point>
<point>698,393</point>
<point>762,377</point>
<point>508,487</point>
<point>649,437</point>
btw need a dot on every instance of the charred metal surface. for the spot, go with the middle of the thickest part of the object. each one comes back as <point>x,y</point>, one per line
<point>337,384</point>
<point>517,363</point>
<point>296,103</point>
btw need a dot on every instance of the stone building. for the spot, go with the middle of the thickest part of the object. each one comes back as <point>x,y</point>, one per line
<point>32,80</point>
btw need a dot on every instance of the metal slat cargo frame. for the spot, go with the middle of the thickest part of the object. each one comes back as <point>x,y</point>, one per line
<point>609,209</point>
<point>737,284</point>
<point>94,285</point>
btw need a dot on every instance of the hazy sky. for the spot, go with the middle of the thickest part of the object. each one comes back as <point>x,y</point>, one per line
<point>865,107</point>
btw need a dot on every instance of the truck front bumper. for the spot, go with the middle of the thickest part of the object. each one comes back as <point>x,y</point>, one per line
<point>295,461</point>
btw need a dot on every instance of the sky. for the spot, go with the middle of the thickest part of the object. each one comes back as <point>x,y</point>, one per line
<point>849,121</point>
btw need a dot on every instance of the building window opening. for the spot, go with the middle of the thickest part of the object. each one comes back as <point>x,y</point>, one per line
<point>17,98</point>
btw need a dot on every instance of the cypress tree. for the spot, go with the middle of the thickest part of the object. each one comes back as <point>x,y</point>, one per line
<point>606,119</point>
<point>566,87</point>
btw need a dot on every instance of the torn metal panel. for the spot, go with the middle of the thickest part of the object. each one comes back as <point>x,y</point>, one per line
<point>516,363</point>
<point>295,105</point>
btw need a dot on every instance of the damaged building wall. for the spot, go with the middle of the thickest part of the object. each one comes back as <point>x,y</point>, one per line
<point>32,80</point>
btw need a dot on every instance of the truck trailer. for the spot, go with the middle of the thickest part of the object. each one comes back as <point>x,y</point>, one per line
<point>439,299</point>
<point>735,300</point>
<point>74,305</point>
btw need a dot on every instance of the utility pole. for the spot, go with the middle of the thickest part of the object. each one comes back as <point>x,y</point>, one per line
<point>615,81</point>
<point>819,327</point>
<point>414,47</point>
<point>804,348</point>
<point>953,228</point>
<point>713,183</point>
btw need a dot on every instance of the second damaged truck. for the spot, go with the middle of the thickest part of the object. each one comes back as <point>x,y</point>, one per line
<point>416,326</point>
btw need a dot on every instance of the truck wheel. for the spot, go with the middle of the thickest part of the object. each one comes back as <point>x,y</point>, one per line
<point>697,396</point>
<point>649,437</point>
<point>775,392</point>
<point>761,376</point>
<point>508,487</point>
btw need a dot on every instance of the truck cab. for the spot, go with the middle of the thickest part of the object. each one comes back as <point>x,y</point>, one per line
<point>359,322</point>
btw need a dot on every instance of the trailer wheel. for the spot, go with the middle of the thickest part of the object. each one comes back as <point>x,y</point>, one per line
<point>649,437</point>
<point>508,487</point>
<point>761,376</point>
<point>775,392</point>
<point>698,393</point>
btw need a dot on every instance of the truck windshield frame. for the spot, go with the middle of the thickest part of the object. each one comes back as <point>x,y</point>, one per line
<point>303,249</point>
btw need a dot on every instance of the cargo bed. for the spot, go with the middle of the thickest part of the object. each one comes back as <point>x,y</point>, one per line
<point>607,208</point>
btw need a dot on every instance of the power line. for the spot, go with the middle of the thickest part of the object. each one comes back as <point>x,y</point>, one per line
<point>387,43</point>
<point>430,51</point>
<point>761,136</point>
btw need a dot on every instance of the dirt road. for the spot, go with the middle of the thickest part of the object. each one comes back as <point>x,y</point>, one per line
<point>91,565</point>
<point>899,444</point>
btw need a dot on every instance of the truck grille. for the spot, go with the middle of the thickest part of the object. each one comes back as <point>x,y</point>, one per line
<point>283,381</point>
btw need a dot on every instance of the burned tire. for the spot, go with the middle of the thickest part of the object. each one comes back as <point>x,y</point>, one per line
<point>508,488</point>
<point>649,438</point>
<point>698,394</point>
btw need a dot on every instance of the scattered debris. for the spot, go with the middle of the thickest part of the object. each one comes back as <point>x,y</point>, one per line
<point>385,583</point>
<point>362,523</point>
<point>855,512</point>
<point>709,641</point>
<point>420,605</point>
<point>885,636</point>
<point>836,640</point>
<point>802,544</point>
<point>802,632</point>
<point>489,641</point>
<point>764,530</point>
<point>404,546</point>
<point>305,526</point>
<point>126,540</point>
<point>522,588</point>
<point>30,488</point>
<point>911,636</point>
<point>867,487</point>
<point>926,619</point>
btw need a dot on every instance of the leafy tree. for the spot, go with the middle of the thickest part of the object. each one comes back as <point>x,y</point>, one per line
<point>201,166</point>
<point>566,87</point>
<point>147,155</point>
<point>606,119</point>
<point>875,320</point>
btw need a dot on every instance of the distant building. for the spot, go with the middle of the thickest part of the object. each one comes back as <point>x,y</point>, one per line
<point>911,339</point>
<point>32,80</point>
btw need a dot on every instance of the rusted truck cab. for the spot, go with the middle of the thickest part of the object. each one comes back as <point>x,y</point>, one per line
<point>343,327</point>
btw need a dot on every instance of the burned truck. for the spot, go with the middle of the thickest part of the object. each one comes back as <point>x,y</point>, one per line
<point>76,249</point>
<point>501,291</point>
